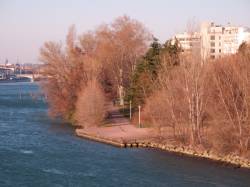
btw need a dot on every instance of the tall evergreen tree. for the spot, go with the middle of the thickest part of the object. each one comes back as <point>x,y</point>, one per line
<point>145,74</point>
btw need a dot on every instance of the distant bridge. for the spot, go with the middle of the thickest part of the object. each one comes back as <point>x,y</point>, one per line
<point>30,76</point>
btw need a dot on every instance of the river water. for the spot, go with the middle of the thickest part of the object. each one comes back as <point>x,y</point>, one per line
<point>37,151</point>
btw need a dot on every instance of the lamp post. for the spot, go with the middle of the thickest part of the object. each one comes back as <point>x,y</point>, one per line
<point>130,109</point>
<point>139,107</point>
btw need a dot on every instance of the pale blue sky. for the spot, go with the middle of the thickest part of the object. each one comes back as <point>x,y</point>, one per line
<point>26,24</point>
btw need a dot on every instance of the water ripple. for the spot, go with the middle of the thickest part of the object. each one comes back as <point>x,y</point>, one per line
<point>26,151</point>
<point>54,171</point>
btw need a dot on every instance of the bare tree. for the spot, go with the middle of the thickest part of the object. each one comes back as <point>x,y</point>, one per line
<point>180,99</point>
<point>231,100</point>
<point>68,70</point>
<point>120,45</point>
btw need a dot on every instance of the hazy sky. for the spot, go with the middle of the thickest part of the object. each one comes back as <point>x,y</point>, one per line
<point>26,24</point>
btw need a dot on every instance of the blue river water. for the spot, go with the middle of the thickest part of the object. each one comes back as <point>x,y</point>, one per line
<point>38,151</point>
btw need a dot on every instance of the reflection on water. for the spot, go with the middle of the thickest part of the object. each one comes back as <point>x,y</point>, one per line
<point>36,151</point>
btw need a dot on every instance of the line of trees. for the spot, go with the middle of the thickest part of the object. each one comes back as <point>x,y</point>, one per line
<point>95,64</point>
<point>203,105</point>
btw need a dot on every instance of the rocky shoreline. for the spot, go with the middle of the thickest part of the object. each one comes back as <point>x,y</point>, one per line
<point>231,160</point>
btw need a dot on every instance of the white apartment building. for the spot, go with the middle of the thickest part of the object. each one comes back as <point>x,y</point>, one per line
<point>217,40</point>
<point>214,41</point>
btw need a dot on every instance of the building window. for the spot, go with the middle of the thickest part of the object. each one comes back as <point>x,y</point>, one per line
<point>219,50</point>
<point>212,57</point>
<point>212,37</point>
<point>212,50</point>
<point>212,44</point>
<point>219,43</point>
<point>219,37</point>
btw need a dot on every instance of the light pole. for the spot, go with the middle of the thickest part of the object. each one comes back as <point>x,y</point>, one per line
<point>130,109</point>
<point>139,107</point>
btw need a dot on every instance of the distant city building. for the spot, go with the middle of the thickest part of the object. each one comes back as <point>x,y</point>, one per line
<point>214,41</point>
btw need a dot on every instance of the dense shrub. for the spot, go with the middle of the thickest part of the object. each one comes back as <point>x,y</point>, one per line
<point>90,105</point>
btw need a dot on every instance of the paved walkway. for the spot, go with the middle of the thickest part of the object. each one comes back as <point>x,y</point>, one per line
<point>118,128</point>
<point>115,118</point>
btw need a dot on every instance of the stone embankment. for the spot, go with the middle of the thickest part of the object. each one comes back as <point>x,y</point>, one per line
<point>232,160</point>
